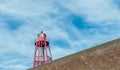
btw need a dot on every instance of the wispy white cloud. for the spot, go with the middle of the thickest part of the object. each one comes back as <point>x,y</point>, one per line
<point>97,12</point>
<point>13,67</point>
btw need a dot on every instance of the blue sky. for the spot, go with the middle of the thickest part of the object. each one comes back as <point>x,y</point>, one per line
<point>71,26</point>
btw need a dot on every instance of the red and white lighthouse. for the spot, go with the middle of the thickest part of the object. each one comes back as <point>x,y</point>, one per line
<point>42,53</point>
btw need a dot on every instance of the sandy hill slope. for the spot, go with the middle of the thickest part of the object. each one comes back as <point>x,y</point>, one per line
<point>102,57</point>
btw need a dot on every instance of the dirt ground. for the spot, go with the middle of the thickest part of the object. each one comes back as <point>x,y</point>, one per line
<point>102,57</point>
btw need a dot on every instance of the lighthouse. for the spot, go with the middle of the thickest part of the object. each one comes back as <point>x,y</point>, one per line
<point>42,53</point>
